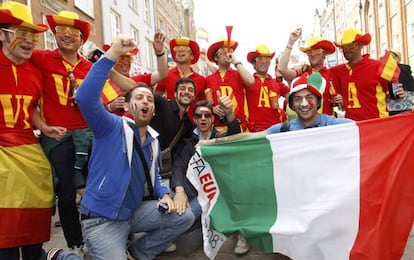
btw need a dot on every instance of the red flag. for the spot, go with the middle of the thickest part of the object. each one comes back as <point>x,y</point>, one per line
<point>389,70</point>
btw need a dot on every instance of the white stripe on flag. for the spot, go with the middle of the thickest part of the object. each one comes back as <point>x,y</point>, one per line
<point>317,192</point>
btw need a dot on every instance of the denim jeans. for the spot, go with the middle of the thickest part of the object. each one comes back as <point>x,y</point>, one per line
<point>107,239</point>
<point>68,255</point>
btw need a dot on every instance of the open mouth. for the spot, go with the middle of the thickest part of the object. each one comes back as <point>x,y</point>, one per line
<point>26,48</point>
<point>145,110</point>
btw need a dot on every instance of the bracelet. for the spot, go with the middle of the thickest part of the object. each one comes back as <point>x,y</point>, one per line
<point>109,107</point>
<point>289,47</point>
<point>237,64</point>
<point>161,54</point>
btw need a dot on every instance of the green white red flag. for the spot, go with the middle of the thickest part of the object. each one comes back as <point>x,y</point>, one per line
<point>335,192</point>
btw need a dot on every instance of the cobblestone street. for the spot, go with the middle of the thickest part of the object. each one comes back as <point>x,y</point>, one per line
<point>189,246</point>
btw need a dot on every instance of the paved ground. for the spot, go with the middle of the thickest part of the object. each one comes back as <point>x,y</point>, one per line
<point>189,246</point>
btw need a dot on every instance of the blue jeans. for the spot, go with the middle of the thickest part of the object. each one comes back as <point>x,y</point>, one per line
<point>107,239</point>
<point>68,255</point>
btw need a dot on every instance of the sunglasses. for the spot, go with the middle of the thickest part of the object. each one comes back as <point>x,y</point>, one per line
<point>18,33</point>
<point>200,115</point>
<point>181,48</point>
<point>74,32</point>
<point>314,52</point>
<point>263,59</point>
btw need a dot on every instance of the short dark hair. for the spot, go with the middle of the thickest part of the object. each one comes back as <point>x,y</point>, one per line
<point>184,80</point>
<point>203,103</point>
<point>138,85</point>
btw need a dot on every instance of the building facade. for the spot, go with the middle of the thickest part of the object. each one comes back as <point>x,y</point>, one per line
<point>86,9</point>
<point>109,18</point>
<point>390,23</point>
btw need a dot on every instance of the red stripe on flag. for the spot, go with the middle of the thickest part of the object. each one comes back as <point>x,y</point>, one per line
<point>387,185</point>
<point>24,226</point>
<point>389,70</point>
<point>110,92</point>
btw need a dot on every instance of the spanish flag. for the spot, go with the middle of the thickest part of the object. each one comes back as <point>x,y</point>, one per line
<point>389,70</point>
<point>26,190</point>
<point>110,92</point>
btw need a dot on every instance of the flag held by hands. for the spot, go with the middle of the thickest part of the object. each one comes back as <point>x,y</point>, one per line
<point>389,70</point>
<point>332,192</point>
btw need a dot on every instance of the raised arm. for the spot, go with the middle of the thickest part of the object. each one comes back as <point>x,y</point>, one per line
<point>88,95</point>
<point>246,76</point>
<point>162,66</point>
<point>287,73</point>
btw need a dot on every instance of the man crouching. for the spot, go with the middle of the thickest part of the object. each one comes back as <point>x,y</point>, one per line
<point>124,193</point>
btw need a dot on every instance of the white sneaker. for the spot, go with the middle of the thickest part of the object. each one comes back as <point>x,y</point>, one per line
<point>170,248</point>
<point>242,247</point>
<point>53,253</point>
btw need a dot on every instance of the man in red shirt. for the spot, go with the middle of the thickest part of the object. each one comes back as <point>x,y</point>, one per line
<point>185,53</point>
<point>263,96</point>
<point>63,70</point>
<point>363,90</point>
<point>26,193</point>
<point>123,66</point>
<point>317,49</point>
<point>227,81</point>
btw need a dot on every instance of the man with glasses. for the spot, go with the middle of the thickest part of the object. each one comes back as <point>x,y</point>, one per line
<point>185,194</point>
<point>317,49</point>
<point>263,96</point>
<point>26,182</point>
<point>227,81</point>
<point>63,70</point>
<point>358,81</point>
<point>185,53</point>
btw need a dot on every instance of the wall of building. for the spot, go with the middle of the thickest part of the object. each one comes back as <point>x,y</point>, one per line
<point>390,23</point>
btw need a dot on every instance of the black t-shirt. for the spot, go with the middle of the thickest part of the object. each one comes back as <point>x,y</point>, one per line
<point>167,121</point>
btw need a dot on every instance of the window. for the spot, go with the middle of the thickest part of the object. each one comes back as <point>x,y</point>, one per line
<point>115,24</point>
<point>49,38</point>
<point>134,34</point>
<point>133,4</point>
<point>147,12</point>
<point>86,6</point>
<point>161,26</point>
<point>150,55</point>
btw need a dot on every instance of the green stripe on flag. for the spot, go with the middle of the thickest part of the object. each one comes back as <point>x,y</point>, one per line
<point>234,178</point>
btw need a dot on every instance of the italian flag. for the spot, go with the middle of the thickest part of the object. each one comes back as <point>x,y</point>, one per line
<point>335,192</point>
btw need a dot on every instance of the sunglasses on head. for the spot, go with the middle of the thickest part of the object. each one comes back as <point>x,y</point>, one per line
<point>200,115</point>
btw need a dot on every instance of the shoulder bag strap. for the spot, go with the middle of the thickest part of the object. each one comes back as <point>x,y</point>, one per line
<point>177,136</point>
<point>145,165</point>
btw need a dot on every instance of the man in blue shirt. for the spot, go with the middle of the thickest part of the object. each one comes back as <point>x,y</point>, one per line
<point>305,99</point>
<point>124,188</point>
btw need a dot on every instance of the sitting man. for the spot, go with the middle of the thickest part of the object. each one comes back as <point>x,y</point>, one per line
<point>124,188</point>
<point>204,130</point>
